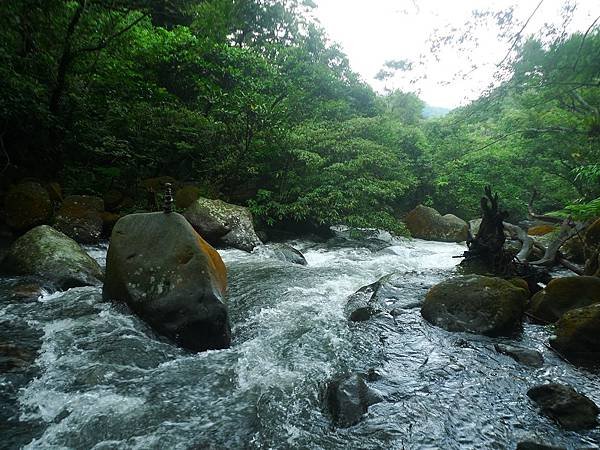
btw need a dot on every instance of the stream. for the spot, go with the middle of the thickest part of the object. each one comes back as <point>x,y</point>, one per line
<point>85,374</point>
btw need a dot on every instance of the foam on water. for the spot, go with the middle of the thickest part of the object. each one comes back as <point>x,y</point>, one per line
<point>105,380</point>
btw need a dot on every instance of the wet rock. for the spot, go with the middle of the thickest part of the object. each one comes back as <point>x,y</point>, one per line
<point>577,334</point>
<point>223,223</point>
<point>371,238</point>
<point>27,205</point>
<point>286,252</point>
<point>562,295</point>
<point>80,218</point>
<point>187,195</point>
<point>348,398</point>
<point>27,291</point>
<point>572,411</point>
<point>476,304</point>
<point>532,445</point>
<point>525,356</point>
<point>171,278</point>
<point>54,257</point>
<point>426,223</point>
<point>363,304</point>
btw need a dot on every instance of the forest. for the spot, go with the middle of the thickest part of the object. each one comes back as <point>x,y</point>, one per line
<point>252,103</point>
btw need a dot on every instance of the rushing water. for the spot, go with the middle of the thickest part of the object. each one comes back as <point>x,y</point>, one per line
<point>94,376</point>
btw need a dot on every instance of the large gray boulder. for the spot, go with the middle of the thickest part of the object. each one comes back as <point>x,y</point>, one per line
<point>222,223</point>
<point>475,304</point>
<point>171,278</point>
<point>426,223</point>
<point>49,254</point>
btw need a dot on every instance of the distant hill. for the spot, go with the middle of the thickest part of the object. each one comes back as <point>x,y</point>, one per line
<point>434,111</point>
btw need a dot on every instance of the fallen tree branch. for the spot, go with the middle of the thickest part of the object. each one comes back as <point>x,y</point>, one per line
<point>525,239</point>
<point>532,214</point>
<point>568,230</point>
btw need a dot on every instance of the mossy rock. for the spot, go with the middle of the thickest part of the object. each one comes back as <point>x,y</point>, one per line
<point>27,205</point>
<point>49,254</point>
<point>171,278</point>
<point>577,334</point>
<point>541,230</point>
<point>80,218</point>
<point>476,304</point>
<point>564,294</point>
<point>222,223</point>
<point>426,223</point>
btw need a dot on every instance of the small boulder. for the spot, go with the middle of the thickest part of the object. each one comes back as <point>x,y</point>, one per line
<point>223,223</point>
<point>426,223</point>
<point>27,205</point>
<point>171,278</point>
<point>80,218</point>
<point>577,334</point>
<point>475,304</point>
<point>49,254</point>
<point>525,356</point>
<point>562,295</point>
<point>572,411</point>
<point>286,252</point>
<point>347,398</point>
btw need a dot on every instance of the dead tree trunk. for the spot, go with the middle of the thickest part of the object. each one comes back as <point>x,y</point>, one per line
<point>486,250</point>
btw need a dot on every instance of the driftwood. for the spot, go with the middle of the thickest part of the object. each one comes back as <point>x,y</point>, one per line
<point>568,230</point>
<point>525,239</point>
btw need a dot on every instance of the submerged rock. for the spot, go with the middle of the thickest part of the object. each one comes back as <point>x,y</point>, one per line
<point>372,238</point>
<point>390,294</point>
<point>223,223</point>
<point>476,304</point>
<point>347,398</point>
<point>170,277</point>
<point>525,356</point>
<point>572,411</point>
<point>426,223</point>
<point>80,218</point>
<point>577,334</point>
<point>27,205</point>
<point>49,254</point>
<point>562,295</point>
<point>286,252</point>
<point>532,445</point>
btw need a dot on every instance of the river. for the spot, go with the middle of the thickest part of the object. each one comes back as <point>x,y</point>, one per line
<point>98,377</point>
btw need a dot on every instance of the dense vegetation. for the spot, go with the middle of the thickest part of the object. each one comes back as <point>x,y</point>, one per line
<point>250,101</point>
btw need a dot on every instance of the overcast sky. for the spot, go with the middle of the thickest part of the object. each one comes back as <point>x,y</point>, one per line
<point>372,32</point>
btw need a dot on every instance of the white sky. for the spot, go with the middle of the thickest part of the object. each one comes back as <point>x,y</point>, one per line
<point>372,32</point>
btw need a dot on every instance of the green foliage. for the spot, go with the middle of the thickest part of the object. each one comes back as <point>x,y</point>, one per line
<point>251,99</point>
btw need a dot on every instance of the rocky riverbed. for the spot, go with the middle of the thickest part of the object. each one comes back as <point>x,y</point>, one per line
<point>78,372</point>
